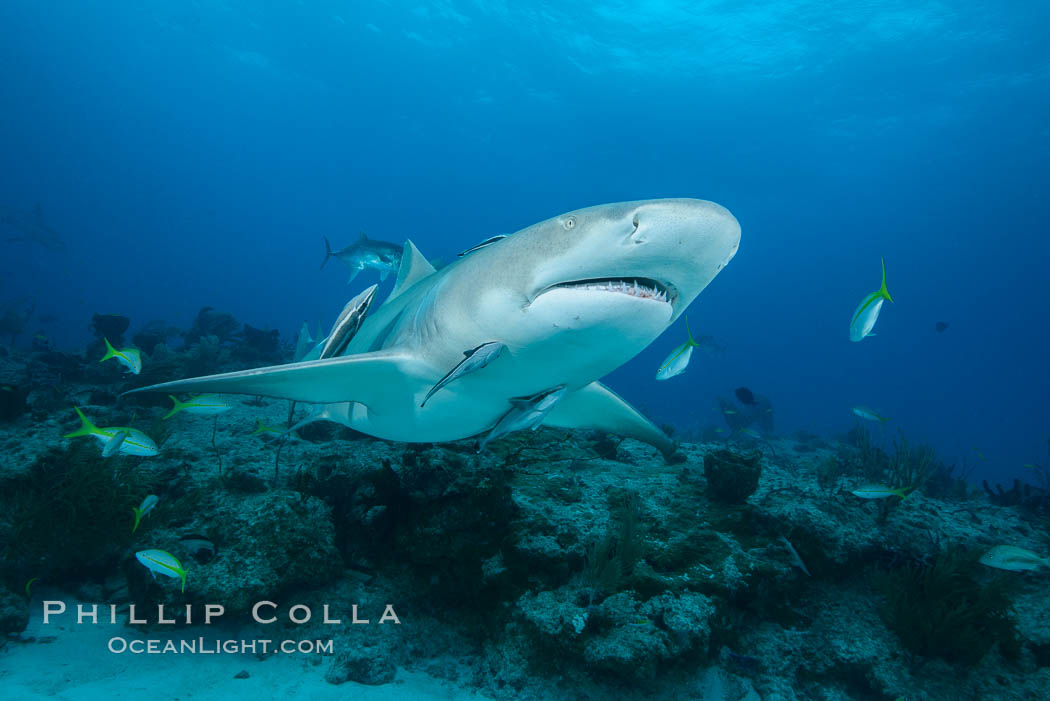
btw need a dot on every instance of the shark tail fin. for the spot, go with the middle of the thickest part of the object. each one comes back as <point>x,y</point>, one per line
<point>178,406</point>
<point>86,427</point>
<point>327,252</point>
<point>883,292</point>
<point>111,352</point>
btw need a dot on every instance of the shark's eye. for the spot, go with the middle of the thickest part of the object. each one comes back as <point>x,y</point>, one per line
<point>569,223</point>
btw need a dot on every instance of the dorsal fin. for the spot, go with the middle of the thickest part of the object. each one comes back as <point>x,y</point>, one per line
<point>414,267</point>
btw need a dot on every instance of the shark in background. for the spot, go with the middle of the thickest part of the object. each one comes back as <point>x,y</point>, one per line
<point>571,299</point>
<point>366,253</point>
<point>31,227</point>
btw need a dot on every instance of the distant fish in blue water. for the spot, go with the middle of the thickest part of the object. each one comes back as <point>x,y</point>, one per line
<point>868,311</point>
<point>526,412</point>
<point>130,358</point>
<point>381,256</point>
<point>32,227</point>
<point>678,360</point>
<point>135,442</point>
<point>941,326</point>
<point>475,359</point>
<point>869,414</point>
<point>202,405</point>
<point>144,508</point>
<point>162,562</point>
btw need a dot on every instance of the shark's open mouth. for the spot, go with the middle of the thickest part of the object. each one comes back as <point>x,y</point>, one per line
<point>642,287</point>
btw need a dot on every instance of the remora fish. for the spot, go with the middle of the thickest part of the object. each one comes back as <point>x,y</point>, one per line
<point>135,442</point>
<point>113,444</point>
<point>162,562</point>
<point>867,312</point>
<point>349,321</point>
<point>487,242</point>
<point>144,508</point>
<point>559,294</point>
<point>202,405</point>
<point>366,253</point>
<point>130,358</point>
<point>526,412</point>
<point>476,359</point>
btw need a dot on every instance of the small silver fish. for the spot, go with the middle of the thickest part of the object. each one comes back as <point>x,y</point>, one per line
<point>162,562</point>
<point>526,412</point>
<point>1013,559</point>
<point>476,359</point>
<point>348,323</point>
<point>796,560</point>
<point>111,446</point>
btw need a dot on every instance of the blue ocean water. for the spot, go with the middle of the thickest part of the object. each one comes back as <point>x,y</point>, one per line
<point>194,154</point>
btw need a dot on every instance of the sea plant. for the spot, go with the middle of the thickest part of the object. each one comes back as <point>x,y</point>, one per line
<point>612,558</point>
<point>940,609</point>
<point>68,513</point>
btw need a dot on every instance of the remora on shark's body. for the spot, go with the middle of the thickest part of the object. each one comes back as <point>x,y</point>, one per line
<point>572,299</point>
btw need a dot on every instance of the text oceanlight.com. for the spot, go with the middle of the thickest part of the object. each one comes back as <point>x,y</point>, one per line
<point>202,646</point>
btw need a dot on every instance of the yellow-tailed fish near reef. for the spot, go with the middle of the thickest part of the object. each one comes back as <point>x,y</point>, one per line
<point>869,414</point>
<point>879,491</point>
<point>29,587</point>
<point>147,505</point>
<point>130,358</point>
<point>162,562</point>
<point>262,428</point>
<point>202,405</point>
<point>678,360</point>
<point>135,442</point>
<point>868,311</point>
<point>113,444</point>
<point>475,359</point>
<point>1008,557</point>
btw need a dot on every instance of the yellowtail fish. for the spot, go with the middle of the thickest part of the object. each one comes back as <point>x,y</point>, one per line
<point>113,444</point>
<point>869,414</point>
<point>162,562</point>
<point>678,360</point>
<point>202,405</point>
<point>1008,557</point>
<point>130,358</point>
<point>879,491</point>
<point>134,443</point>
<point>147,505</point>
<point>475,359</point>
<point>868,311</point>
<point>261,428</point>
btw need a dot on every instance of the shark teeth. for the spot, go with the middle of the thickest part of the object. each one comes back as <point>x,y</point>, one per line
<point>635,287</point>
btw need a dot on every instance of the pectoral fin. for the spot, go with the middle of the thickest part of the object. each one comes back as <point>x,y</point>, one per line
<point>598,407</point>
<point>364,378</point>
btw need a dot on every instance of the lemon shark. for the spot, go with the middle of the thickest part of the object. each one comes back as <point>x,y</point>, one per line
<point>571,299</point>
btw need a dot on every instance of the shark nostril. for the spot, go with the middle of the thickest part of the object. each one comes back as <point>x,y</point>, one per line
<point>636,222</point>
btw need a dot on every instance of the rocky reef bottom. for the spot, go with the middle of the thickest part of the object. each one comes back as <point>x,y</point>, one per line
<point>554,565</point>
